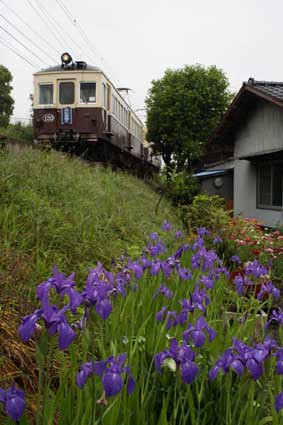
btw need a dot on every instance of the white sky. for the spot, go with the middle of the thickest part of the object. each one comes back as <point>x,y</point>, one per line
<point>138,40</point>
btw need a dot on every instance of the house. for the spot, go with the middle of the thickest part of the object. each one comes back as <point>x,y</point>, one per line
<point>251,131</point>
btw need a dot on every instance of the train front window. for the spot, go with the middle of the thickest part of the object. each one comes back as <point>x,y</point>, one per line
<point>88,93</point>
<point>45,94</point>
<point>66,93</point>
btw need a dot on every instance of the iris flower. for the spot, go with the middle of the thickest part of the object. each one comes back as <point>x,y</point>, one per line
<point>14,402</point>
<point>184,358</point>
<point>111,371</point>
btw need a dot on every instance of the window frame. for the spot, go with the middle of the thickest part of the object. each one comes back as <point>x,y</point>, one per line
<point>87,82</point>
<point>74,92</point>
<point>46,84</point>
<point>270,206</point>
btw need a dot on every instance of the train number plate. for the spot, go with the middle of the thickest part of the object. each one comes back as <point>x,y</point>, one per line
<point>48,118</point>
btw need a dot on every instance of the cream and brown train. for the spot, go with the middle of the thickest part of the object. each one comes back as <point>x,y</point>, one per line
<point>77,107</point>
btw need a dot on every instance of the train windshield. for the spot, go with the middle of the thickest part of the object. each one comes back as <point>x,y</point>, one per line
<point>45,94</point>
<point>88,93</point>
<point>66,92</point>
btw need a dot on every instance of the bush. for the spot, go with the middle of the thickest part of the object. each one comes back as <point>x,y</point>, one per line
<point>207,211</point>
<point>19,131</point>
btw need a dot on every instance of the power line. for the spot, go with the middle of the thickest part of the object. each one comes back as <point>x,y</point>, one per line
<point>22,44</point>
<point>28,38</point>
<point>74,22</point>
<point>28,26</point>
<point>18,53</point>
<point>62,31</point>
<point>44,21</point>
<point>83,34</point>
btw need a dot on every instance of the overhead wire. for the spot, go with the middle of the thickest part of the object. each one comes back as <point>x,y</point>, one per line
<point>50,28</point>
<point>16,52</point>
<point>75,24</point>
<point>27,38</point>
<point>19,42</point>
<point>38,35</point>
<point>61,30</point>
<point>84,36</point>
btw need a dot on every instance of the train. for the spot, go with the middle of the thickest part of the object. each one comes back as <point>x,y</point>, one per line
<point>77,108</point>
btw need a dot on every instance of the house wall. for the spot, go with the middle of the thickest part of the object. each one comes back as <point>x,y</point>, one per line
<point>226,191</point>
<point>262,132</point>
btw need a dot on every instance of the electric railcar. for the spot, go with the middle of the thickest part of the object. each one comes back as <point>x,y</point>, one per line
<point>76,106</point>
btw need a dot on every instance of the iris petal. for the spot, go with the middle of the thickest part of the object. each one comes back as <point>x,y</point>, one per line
<point>66,335</point>
<point>112,383</point>
<point>189,371</point>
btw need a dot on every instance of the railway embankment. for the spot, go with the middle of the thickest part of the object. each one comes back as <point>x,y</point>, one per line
<point>58,210</point>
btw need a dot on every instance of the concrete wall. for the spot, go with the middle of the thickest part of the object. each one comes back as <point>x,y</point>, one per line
<point>262,132</point>
<point>226,191</point>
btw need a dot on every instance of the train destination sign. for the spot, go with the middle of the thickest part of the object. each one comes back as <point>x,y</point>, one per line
<point>48,117</point>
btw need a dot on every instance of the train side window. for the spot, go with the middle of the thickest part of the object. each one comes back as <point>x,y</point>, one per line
<point>45,94</point>
<point>66,92</point>
<point>88,92</point>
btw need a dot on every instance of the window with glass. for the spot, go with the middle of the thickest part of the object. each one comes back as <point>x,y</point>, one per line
<point>88,92</point>
<point>45,94</point>
<point>66,92</point>
<point>270,186</point>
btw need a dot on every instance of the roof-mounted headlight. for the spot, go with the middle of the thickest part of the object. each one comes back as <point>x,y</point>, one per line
<point>66,58</point>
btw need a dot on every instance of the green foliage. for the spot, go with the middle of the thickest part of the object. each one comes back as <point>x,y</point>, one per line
<point>183,107</point>
<point>6,101</point>
<point>180,187</point>
<point>160,398</point>
<point>18,131</point>
<point>208,211</point>
<point>55,209</point>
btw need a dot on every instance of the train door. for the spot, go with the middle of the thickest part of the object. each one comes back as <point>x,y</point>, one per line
<point>66,102</point>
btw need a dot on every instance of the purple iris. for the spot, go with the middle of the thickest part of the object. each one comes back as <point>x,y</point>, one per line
<point>137,269</point>
<point>276,316</point>
<point>55,321</point>
<point>157,249</point>
<point>63,286</point>
<point>111,372</point>
<point>166,226</point>
<point>202,231</point>
<point>86,370</point>
<point>204,259</point>
<point>163,290</point>
<point>184,274</point>
<point>256,269</point>
<point>100,287</point>
<point>217,240</point>
<point>14,402</point>
<point>171,317</point>
<point>179,235</point>
<point>153,236</point>
<point>267,289</point>
<point>278,404</point>
<point>184,357</point>
<point>235,259</point>
<point>241,356</point>
<point>196,333</point>
<point>279,361</point>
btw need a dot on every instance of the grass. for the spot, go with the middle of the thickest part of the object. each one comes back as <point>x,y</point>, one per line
<point>58,210</point>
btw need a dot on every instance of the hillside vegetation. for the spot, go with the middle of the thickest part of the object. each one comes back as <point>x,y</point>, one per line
<point>58,210</point>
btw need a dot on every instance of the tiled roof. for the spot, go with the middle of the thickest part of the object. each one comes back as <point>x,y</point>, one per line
<point>271,88</point>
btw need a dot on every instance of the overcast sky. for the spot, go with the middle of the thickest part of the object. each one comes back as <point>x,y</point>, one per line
<point>135,41</point>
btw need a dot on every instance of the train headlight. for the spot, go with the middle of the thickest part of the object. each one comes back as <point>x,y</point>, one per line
<point>66,58</point>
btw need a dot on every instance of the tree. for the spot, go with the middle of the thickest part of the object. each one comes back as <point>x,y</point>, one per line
<point>6,101</point>
<point>183,108</point>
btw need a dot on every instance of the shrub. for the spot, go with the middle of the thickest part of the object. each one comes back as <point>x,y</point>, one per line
<point>207,211</point>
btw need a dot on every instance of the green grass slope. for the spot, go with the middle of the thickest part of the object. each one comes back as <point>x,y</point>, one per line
<point>58,210</point>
